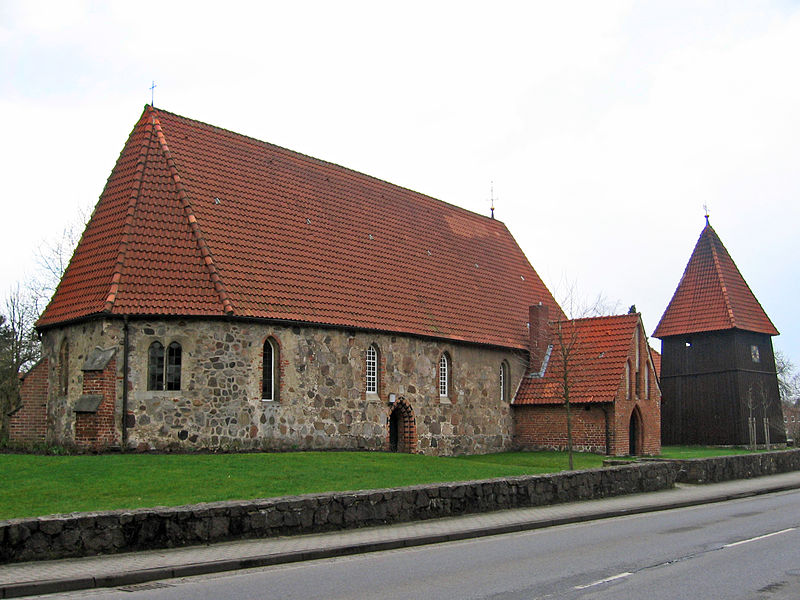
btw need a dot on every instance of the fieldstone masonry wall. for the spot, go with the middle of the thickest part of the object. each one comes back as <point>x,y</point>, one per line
<point>743,466</point>
<point>321,402</point>
<point>82,339</point>
<point>62,536</point>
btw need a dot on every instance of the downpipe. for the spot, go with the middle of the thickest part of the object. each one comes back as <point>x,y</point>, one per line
<point>125,357</point>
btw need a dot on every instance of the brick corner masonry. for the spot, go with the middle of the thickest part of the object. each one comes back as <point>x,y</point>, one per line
<point>85,534</point>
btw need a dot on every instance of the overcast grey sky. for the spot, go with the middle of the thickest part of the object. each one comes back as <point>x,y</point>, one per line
<point>605,126</point>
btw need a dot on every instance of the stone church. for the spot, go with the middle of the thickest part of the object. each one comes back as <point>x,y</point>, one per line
<point>228,293</point>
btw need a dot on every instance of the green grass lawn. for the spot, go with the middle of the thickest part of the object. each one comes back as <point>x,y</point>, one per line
<point>701,451</point>
<point>537,462</point>
<point>35,485</point>
<point>38,485</point>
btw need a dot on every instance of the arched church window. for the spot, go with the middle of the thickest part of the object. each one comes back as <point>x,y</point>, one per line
<point>155,367</point>
<point>444,376</point>
<point>164,367</point>
<point>372,370</point>
<point>504,381</point>
<point>173,372</point>
<point>270,371</point>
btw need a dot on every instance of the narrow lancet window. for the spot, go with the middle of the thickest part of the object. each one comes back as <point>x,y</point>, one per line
<point>444,376</point>
<point>173,372</point>
<point>372,370</point>
<point>269,375</point>
<point>155,367</point>
<point>503,381</point>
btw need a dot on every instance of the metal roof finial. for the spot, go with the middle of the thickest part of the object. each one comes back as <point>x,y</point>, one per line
<point>705,209</point>
<point>152,94</point>
<point>491,197</point>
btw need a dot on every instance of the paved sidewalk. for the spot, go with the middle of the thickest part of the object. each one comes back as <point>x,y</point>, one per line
<point>46,577</point>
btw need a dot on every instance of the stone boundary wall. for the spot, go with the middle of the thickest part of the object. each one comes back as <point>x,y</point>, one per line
<point>83,534</point>
<point>742,466</point>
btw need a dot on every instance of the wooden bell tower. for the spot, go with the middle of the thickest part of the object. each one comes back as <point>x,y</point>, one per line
<point>718,380</point>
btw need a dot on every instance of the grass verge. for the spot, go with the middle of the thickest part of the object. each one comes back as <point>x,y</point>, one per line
<point>39,485</point>
<point>701,451</point>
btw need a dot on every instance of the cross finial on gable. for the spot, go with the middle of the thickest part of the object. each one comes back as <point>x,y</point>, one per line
<point>152,94</point>
<point>491,197</point>
<point>705,210</point>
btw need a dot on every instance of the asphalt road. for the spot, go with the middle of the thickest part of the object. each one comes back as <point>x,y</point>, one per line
<point>742,549</point>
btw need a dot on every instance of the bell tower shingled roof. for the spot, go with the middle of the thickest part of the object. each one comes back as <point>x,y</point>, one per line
<point>712,295</point>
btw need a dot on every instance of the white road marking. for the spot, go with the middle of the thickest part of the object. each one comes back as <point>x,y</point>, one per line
<point>602,581</point>
<point>760,537</point>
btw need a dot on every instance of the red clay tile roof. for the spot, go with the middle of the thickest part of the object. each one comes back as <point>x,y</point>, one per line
<point>712,295</point>
<point>197,220</point>
<point>655,355</point>
<point>596,364</point>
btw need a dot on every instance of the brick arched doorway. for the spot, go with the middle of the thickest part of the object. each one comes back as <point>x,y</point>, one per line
<point>402,427</point>
<point>635,433</point>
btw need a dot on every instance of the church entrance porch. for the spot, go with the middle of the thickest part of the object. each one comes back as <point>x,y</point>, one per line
<point>402,427</point>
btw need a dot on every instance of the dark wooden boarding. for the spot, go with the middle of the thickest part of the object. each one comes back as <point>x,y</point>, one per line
<point>711,385</point>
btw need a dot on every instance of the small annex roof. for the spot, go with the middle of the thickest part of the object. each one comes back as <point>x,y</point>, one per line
<point>655,355</point>
<point>598,349</point>
<point>712,295</point>
<point>199,221</point>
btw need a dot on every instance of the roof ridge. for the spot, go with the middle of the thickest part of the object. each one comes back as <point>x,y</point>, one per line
<point>623,315</point>
<point>721,275</point>
<point>133,200</point>
<point>328,163</point>
<point>205,251</point>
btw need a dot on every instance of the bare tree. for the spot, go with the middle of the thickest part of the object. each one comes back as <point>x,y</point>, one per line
<point>751,420</point>
<point>52,258</point>
<point>566,335</point>
<point>19,342</point>
<point>19,348</point>
<point>763,397</point>
<point>576,306</point>
<point>788,378</point>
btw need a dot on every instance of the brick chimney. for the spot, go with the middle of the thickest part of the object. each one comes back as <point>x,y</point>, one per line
<point>540,334</point>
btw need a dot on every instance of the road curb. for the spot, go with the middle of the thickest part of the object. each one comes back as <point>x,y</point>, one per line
<point>127,578</point>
